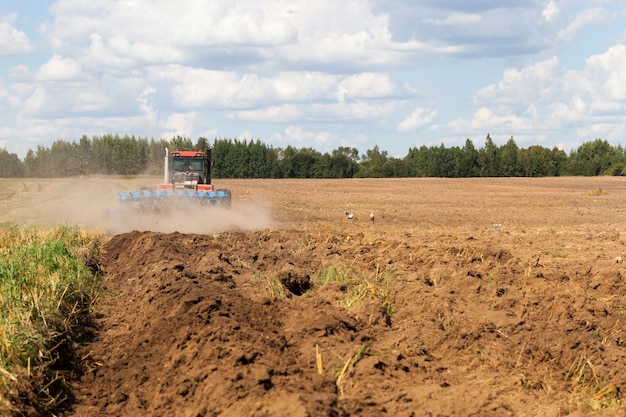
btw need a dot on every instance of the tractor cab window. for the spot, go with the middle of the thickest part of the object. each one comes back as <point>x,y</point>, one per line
<point>181,164</point>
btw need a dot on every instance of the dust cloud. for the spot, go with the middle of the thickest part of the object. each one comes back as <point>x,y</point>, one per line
<point>93,204</point>
<point>202,220</point>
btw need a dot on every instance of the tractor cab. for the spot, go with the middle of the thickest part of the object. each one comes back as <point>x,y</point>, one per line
<point>188,170</point>
<point>186,184</point>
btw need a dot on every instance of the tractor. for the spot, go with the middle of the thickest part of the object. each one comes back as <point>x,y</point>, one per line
<point>186,184</point>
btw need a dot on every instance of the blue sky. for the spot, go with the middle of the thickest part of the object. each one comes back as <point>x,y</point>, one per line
<point>321,74</point>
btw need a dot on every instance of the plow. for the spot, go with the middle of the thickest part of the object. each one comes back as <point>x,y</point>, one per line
<point>186,185</point>
<point>165,200</point>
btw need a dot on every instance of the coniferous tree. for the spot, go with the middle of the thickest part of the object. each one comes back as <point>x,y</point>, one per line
<point>415,161</point>
<point>490,159</point>
<point>468,160</point>
<point>220,154</point>
<point>510,165</point>
<point>182,143</point>
<point>202,144</point>
<point>10,165</point>
<point>443,164</point>
<point>84,151</point>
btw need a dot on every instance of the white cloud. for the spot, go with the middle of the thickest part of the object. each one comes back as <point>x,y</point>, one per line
<point>296,136</point>
<point>195,87</point>
<point>367,84</point>
<point>13,41</point>
<point>551,12</point>
<point>613,132</point>
<point>246,135</point>
<point>4,98</point>
<point>545,98</point>
<point>181,123</point>
<point>595,16</point>
<point>20,72</point>
<point>72,98</point>
<point>59,68</point>
<point>32,132</point>
<point>570,111</point>
<point>262,33</point>
<point>260,23</point>
<point>22,90</point>
<point>146,105</point>
<point>420,117</point>
<point>455,19</point>
<point>523,85</point>
<point>280,114</point>
<point>92,100</point>
<point>146,50</point>
<point>36,102</point>
<point>99,56</point>
<point>317,112</point>
<point>607,70</point>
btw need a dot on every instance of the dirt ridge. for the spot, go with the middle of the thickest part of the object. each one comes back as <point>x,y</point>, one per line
<point>193,329</point>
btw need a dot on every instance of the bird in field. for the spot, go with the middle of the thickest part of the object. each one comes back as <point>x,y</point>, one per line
<point>349,214</point>
<point>371,216</point>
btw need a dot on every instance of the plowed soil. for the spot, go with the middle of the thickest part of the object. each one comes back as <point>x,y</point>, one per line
<point>473,297</point>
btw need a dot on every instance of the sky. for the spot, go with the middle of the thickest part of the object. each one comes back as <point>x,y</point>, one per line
<point>396,74</point>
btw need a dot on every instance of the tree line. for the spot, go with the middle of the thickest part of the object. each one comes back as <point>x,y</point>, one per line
<point>234,158</point>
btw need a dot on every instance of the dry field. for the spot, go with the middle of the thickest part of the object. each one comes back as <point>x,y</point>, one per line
<point>490,297</point>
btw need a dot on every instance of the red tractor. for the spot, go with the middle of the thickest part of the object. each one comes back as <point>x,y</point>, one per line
<point>186,183</point>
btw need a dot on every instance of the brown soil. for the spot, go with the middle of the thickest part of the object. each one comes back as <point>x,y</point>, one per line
<point>490,297</point>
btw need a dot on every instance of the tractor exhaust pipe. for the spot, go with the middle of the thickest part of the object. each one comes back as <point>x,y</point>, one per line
<point>209,166</point>
<point>165,176</point>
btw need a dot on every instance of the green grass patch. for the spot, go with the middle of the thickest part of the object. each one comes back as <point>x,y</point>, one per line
<point>589,389</point>
<point>363,351</point>
<point>48,284</point>
<point>359,286</point>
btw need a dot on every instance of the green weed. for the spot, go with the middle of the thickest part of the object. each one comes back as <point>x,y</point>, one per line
<point>340,374</point>
<point>275,287</point>
<point>589,389</point>
<point>47,286</point>
<point>376,285</point>
<point>436,277</point>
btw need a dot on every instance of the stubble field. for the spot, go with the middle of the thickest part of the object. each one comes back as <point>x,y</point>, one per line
<point>490,297</point>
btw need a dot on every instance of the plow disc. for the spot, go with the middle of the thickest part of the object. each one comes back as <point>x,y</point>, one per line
<point>167,200</point>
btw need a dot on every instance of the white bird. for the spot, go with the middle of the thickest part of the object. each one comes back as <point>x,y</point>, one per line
<point>349,214</point>
<point>372,216</point>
